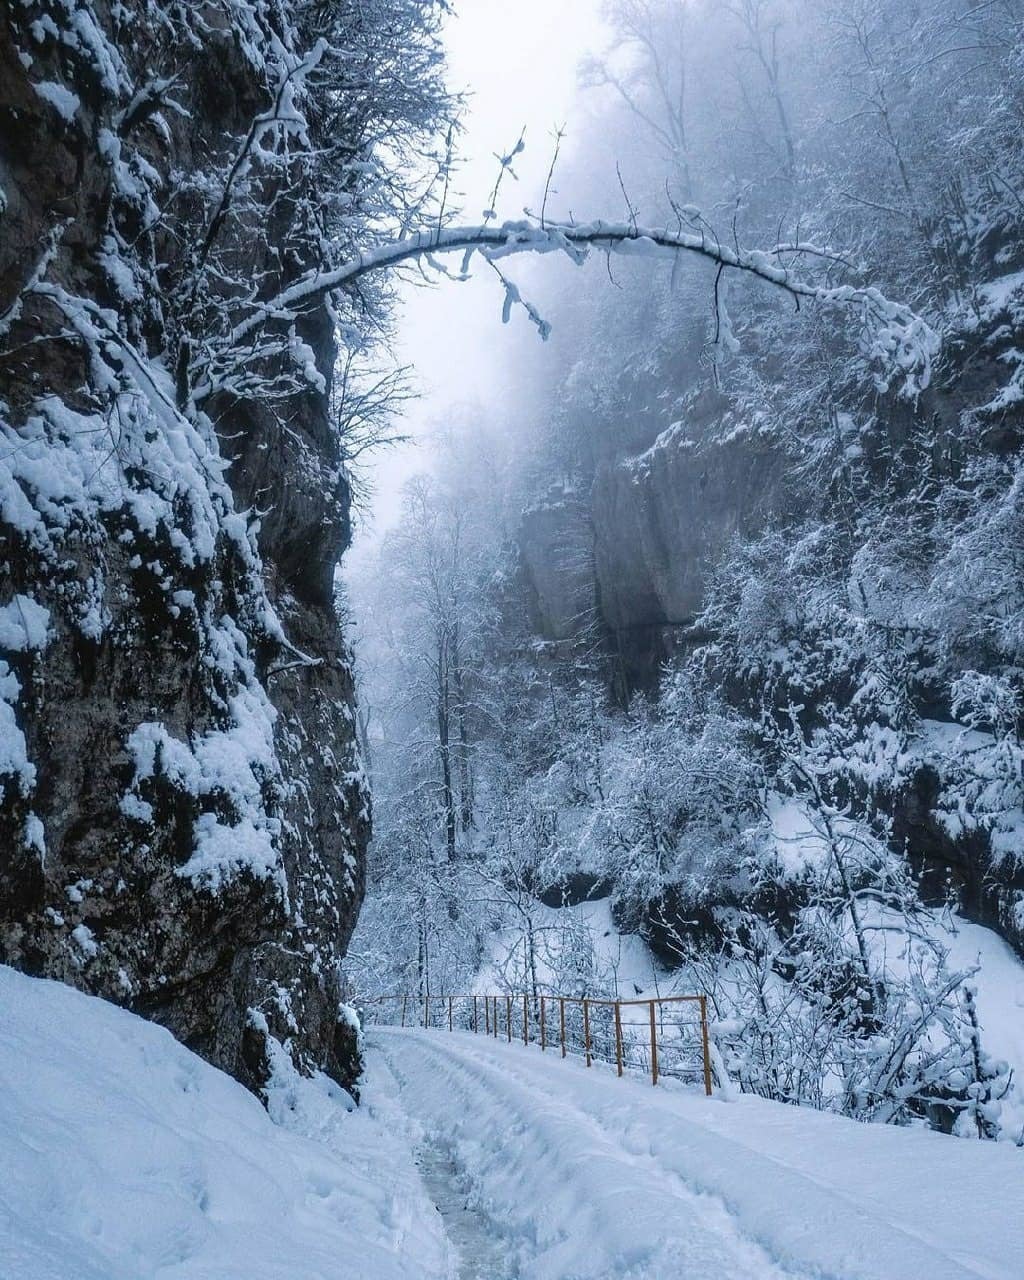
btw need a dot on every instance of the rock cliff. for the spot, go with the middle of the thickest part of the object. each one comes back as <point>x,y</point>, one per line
<point>182,813</point>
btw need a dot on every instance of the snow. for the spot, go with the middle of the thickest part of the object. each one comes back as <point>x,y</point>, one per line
<point>125,1157</point>
<point>235,762</point>
<point>1000,994</point>
<point>83,935</point>
<point>622,959</point>
<point>35,835</point>
<point>625,955</point>
<point>999,308</point>
<point>582,1175</point>
<point>24,624</point>
<point>14,761</point>
<point>58,471</point>
<point>1000,295</point>
<point>222,852</point>
<point>980,775</point>
<point>794,840</point>
<point>901,344</point>
<point>62,99</point>
<point>118,272</point>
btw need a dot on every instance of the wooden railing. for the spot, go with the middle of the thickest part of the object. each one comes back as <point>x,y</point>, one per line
<point>652,1036</point>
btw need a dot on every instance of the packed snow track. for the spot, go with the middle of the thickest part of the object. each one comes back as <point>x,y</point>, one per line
<point>555,1172</point>
<point>126,1157</point>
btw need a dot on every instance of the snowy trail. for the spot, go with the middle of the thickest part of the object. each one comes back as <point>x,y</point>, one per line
<point>637,1219</point>
<point>582,1176</point>
<point>126,1157</point>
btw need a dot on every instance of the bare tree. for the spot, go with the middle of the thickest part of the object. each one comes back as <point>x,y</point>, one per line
<point>427,556</point>
<point>762,32</point>
<point>653,36</point>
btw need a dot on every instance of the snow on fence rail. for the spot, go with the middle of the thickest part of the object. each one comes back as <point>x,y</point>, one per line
<point>656,1037</point>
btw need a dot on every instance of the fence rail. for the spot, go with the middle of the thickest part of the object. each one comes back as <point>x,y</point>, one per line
<point>655,1037</point>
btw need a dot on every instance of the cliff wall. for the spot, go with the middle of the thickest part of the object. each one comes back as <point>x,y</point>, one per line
<point>182,813</point>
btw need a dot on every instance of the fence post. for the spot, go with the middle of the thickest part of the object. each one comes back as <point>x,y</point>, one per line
<point>704,1044</point>
<point>492,1026</point>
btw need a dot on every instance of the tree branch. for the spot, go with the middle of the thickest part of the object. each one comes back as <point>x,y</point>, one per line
<point>893,335</point>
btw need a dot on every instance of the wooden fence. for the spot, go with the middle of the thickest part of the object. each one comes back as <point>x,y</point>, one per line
<point>664,1037</point>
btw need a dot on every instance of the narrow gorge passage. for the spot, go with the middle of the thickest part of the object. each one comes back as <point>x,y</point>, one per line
<point>512,640</point>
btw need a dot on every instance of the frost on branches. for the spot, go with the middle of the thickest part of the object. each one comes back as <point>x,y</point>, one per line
<point>734,698</point>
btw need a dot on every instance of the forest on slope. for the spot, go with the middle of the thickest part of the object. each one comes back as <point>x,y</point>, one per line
<point>717,617</point>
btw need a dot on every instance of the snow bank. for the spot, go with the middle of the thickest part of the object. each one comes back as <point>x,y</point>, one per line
<point>1000,983</point>
<point>126,1157</point>
<point>622,961</point>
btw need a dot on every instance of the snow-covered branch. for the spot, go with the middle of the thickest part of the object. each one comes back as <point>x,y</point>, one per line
<point>903,342</point>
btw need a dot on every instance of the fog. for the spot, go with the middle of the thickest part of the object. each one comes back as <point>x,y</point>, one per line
<point>693,584</point>
<point>519,74</point>
<point>678,662</point>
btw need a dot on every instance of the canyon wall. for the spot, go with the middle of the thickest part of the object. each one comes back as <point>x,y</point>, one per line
<point>182,810</point>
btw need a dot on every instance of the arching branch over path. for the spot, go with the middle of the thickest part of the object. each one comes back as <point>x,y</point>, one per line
<point>895,335</point>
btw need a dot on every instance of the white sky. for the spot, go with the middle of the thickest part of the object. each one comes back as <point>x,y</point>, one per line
<point>517,59</point>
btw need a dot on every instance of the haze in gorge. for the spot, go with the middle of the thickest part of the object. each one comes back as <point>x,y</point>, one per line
<point>511,594</point>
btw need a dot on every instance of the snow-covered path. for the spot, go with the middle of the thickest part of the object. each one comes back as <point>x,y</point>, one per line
<point>578,1176</point>
<point>123,1156</point>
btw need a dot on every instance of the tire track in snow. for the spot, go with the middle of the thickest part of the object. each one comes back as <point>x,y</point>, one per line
<point>471,1237</point>
<point>474,1239</point>
<point>901,1248</point>
<point>571,1202</point>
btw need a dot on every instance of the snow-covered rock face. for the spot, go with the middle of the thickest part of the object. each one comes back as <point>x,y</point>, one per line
<point>556,550</point>
<point>631,555</point>
<point>663,520</point>
<point>182,814</point>
<point>666,572</point>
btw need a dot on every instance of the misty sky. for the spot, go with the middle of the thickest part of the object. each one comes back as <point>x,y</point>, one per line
<point>519,64</point>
